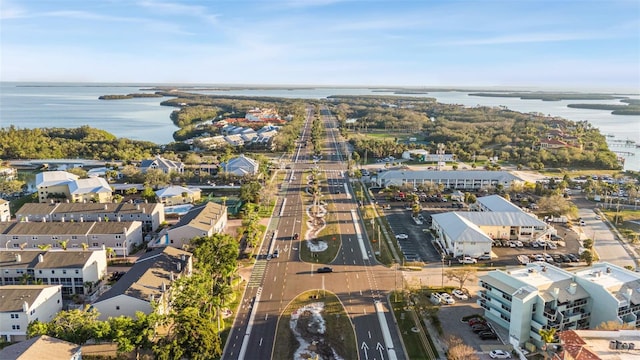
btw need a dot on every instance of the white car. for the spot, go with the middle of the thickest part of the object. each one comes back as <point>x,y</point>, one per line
<point>447,299</point>
<point>551,246</point>
<point>459,294</point>
<point>499,354</point>
<point>402,236</point>
<point>467,260</point>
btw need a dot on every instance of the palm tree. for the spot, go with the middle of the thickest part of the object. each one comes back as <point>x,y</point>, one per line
<point>44,246</point>
<point>547,337</point>
<point>63,244</point>
<point>23,245</point>
<point>110,252</point>
<point>84,246</point>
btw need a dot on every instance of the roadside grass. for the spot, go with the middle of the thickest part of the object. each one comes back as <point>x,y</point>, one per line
<point>406,324</point>
<point>339,333</point>
<point>379,246</point>
<point>560,172</point>
<point>630,226</point>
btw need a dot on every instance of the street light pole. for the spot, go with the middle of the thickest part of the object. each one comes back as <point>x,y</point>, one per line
<point>442,282</point>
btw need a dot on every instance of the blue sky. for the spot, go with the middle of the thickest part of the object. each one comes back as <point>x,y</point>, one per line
<point>571,44</point>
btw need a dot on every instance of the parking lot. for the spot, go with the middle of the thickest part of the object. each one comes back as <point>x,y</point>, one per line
<point>418,243</point>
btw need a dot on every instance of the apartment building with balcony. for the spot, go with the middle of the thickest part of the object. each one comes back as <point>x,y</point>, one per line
<point>615,292</point>
<point>538,296</point>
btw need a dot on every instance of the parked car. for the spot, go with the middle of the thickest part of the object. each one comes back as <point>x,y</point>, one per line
<point>499,354</point>
<point>447,299</point>
<point>565,258</point>
<point>325,269</point>
<point>488,335</point>
<point>484,257</point>
<point>477,321</point>
<point>573,257</point>
<point>551,246</point>
<point>276,253</point>
<point>459,294</point>
<point>436,298</point>
<point>478,328</point>
<point>467,260</point>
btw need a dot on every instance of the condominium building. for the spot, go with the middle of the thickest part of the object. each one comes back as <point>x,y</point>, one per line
<point>538,296</point>
<point>22,304</point>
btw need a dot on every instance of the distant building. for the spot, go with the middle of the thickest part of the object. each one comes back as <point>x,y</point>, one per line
<point>241,166</point>
<point>22,304</point>
<point>72,269</point>
<point>42,347</point>
<point>175,195</point>
<point>5,210</point>
<point>59,186</point>
<point>456,179</point>
<point>149,280</point>
<point>167,166</point>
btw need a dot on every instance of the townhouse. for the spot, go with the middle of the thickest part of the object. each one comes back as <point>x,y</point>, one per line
<point>203,220</point>
<point>175,195</point>
<point>122,236</point>
<point>40,347</point>
<point>76,270</point>
<point>151,215</point>
<point>22,304</point>
<point>146,285</point>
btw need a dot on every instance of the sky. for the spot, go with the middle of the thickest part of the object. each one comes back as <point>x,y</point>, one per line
<point>553,44</point>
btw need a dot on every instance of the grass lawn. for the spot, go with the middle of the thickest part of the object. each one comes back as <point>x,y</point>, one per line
<point>339,333</point>
<point>412,343</point>
<point>630,226</point>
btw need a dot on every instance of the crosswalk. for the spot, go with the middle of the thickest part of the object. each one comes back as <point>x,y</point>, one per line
<point>258,272</point>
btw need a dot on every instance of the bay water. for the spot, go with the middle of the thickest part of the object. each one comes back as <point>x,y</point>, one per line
<point>70,105</point>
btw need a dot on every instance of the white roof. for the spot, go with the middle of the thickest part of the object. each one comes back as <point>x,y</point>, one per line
<point>176,191</point>
<point>53,178</point>
<point>90,185</point>
<point>608,276</point>
<point>497,203</point>
<point>459,229</point>
<point>502,218</point>
<point>501,176</point>
<point>539,274</point>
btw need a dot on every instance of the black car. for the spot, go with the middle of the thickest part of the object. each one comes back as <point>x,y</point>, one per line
<point>325,269</point>
<point>565,258</point>
<point>480,328</point>
<point>488,335</point>
<point>296,236</point>
<point>573,257</point>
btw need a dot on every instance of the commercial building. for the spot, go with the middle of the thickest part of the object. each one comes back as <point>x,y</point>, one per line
<point>456,179</point>
<point>61,186</point>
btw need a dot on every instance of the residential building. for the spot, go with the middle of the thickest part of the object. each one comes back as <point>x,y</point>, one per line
<point>42,347</point>
<point>175,195</point>
<point>615,292</point>
<point>8,173</point>
<point>149,280</point>
<point>5,210</point>
<point>150,214</point>
<point>122,237</point>
<point>59,186</point>
<point>167,166</point>
<point>73,269</point>
<point>552,144</point>
<point>456,179</point>
<point>203,220</point>
<point>538,296</point>
<point>22,304</point>
<point>424,156</point>
<point>241,166</point>
<point>597,345</point>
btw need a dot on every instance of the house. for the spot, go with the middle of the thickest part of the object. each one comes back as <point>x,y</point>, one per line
<point>122,237</point>
<point>167,166</point>
<point>456,179</point>
<point>42,347</point>
<point>22,304</point>
<point>204,220</point>
<point>174,195</point>
<point>241,166</point>
<point>8,173</point>
<point>5,210</point>
<point>150,214</point>
<point>72,269</point>
<point>258,114</point>
<point>597,344</point>
<point>552,144</point>
<point>61,185</point>
<point>149,280</point>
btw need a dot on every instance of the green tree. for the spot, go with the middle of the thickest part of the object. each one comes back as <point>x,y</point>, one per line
<point>76,326</point>
<point>191,336</point>
<point>133,334</point>
<point>250,192</point>
<point>148,194</point>
<point>156,178</point>
<point>547,337</point>
<point>63,244</point>
<point>588,256</point>
<point>461,275</point>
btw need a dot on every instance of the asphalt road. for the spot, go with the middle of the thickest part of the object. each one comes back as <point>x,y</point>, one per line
<point>358,281</point>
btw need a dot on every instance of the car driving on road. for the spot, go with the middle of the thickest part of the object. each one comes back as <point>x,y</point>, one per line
<point>325,269</point>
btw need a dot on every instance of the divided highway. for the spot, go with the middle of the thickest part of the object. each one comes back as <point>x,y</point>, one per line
<point>357,279</point>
